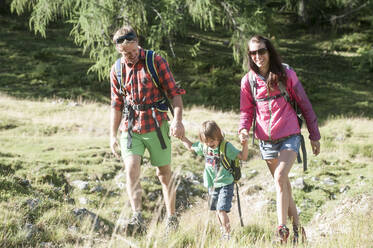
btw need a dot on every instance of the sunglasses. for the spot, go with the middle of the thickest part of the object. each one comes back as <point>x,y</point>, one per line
<point>130,36</point>
<point>260,51</point>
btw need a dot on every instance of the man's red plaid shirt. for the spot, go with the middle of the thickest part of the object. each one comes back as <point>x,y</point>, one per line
<point>140,89</point>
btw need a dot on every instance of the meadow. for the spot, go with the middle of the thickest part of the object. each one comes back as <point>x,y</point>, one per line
<point>61,187</point>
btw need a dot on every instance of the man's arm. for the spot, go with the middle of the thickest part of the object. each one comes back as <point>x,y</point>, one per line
<point>177,127</point>
<point>115,119</point>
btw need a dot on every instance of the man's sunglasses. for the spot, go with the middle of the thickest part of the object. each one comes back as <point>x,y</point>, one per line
<point>260,51</point>
<point>130,36</point>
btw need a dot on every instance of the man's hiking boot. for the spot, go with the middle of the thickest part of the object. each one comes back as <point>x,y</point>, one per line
<point>299,231</point>
<point>283,234</point>
<point>135,224</point>
<point>172,224</point>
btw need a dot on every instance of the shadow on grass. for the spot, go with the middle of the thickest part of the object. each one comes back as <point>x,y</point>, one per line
<point>331,80</point>
<point>34,67</point>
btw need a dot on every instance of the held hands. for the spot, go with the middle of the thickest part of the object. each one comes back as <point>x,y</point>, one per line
<point>315,144</point>
<point>244,136</point>
<point>177,129</point>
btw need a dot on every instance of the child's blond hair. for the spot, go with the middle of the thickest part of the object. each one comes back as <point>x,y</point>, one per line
<point>210,130</point>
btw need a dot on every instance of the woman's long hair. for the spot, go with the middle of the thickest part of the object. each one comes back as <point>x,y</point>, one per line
<point>277,72</point>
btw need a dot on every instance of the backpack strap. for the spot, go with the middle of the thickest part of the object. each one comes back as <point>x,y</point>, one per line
<point>118,72</point>
<point>253,87</point>
<point>223,155</point>
<point>149,62</point>
<point>150,67</point>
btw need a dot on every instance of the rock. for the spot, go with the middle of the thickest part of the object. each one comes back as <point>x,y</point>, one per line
<point>291,175</point>
<point>83,200</point>
<point>97,222</point>
<point>82,185</point>
<point>344,189</point>
<point>340,137</point>
<point>253,189</point>
<point>33,203</point>
<point>97,188</point>
<point>120,180</point>
<point>329,181</point>
<point>299,183</point>
<point>315,179</point>
<point>30,230</point>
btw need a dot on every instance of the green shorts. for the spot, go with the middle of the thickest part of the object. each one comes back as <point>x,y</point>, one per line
<point>150,141</point>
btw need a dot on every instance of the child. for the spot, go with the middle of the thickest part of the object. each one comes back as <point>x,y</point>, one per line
<point>216,178</point>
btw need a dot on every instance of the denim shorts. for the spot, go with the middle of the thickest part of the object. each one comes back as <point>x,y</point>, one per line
<point>221,198</point>
<point>271,151</point>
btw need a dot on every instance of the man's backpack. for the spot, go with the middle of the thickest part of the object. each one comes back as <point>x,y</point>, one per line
<point>150,67</point>
<point>233,166</point>
<point>287,97</point>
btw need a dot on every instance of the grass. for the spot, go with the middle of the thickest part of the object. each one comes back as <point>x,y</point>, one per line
<point>38,169</point>
<point>54,131</point>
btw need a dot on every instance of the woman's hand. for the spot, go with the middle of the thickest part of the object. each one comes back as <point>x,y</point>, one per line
<point>315,144</point>
<point>244,136</point>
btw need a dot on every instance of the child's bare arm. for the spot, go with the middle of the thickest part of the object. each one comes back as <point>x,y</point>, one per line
<point>187,143</point>
<point>242,155</point>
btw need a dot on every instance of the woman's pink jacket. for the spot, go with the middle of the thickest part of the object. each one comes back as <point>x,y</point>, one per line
<point>276,118</point>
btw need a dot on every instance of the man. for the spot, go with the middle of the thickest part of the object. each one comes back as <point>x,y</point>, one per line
<point>144,126</point>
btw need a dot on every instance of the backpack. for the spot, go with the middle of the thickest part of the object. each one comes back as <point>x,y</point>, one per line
<point>150,67</point>
<point>233,166</point>
<point>293,103</point>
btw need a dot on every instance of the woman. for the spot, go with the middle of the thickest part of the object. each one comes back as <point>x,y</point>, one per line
<point>276,125</point>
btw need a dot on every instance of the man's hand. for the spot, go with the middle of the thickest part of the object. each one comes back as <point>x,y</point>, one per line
<point>177,129</point>
<point>114,146</point>
<point>315,144</point>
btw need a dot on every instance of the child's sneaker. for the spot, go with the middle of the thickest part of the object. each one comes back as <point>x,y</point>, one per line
<point>283,234</point>
<point>225,236</point>
<point>296,231</point>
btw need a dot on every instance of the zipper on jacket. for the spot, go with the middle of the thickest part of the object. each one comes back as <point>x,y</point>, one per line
<point>270,119</point>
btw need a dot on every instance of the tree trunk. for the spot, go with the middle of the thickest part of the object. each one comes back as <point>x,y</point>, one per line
<point>302,12</point>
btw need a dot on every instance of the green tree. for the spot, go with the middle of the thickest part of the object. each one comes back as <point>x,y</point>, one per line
<point>158,22</point>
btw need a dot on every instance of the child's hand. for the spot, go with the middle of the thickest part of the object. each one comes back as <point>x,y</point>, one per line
<point>244,136</point>
<point>244,141</point>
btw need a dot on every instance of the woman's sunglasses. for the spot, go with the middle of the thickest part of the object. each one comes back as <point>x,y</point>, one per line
<point>130,36</point>
<point>260,51</point>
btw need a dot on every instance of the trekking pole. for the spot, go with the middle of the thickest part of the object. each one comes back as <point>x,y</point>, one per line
<point>239,205</point>
<point>304,151</point>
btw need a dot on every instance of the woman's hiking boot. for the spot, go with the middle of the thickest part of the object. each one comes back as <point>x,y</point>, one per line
<point>299,231</point>
<point>283,234</point>
<point>135,224</point>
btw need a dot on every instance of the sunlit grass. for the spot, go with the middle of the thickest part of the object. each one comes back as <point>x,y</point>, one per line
<point>51,161</point>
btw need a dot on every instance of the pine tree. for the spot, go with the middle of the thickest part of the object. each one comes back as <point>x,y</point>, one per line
<point>157,22</point>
